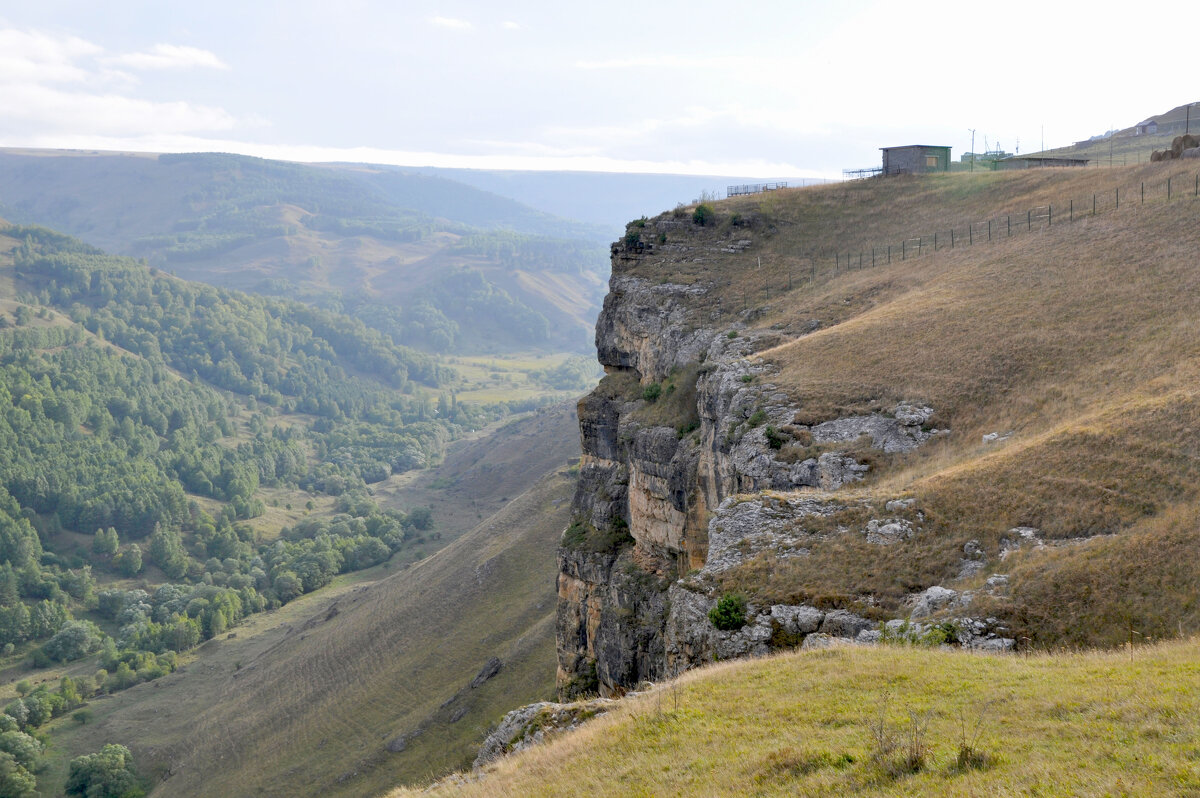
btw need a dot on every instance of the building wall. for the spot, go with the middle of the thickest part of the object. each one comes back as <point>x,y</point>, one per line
<point>915,160</point>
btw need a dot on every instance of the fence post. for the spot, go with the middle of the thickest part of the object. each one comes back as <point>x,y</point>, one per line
<point>1072,212</point>
<point>1029,219</point>
<point>1093,205</point>
<point>951,238</point>
<point>989,229</point>
<point>837,260</point>
<point>1143,192</point>
<point>1049,215</point>
<point>1168,189</point>
<point>971,234</point>
<point>872,257</point>
<point>935,240</point>
<point>860,259</point>
<point>1008,219</point>
<point>889,254</point>
<point>1118,198</point>
<point>920,245</point>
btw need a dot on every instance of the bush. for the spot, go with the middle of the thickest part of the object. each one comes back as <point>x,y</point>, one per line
<point>652,392</point>
<point>775,439</point>
<point>730,613</point>
<point>703,214</point>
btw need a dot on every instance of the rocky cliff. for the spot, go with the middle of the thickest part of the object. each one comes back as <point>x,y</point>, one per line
<point>684,443</point>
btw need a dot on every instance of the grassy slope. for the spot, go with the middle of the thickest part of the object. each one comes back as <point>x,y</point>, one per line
<point>296,699</point>
<point>801,724</point>
<point>1079,338</point>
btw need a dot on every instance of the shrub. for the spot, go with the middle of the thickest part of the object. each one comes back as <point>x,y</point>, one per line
<point>757,418</point>
<point>730,613</point>
<point>652,392</point>
<point>775,439</point>
<point>703,214</point>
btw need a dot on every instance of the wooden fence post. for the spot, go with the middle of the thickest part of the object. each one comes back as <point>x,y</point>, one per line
<point>951,238</point>
<point>971,234</point>
<point>1118,198</point>
<point>1072,212</point>
<point>1029,219</point>
<point>989,229</point>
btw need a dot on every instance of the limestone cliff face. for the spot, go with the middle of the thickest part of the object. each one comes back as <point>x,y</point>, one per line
<point>652,483</point>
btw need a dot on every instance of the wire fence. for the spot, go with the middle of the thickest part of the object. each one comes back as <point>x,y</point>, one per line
<point>1175,187</point>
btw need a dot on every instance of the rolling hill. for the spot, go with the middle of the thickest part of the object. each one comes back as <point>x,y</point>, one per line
<point>433,263</point>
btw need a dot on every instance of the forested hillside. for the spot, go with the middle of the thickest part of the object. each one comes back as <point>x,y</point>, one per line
<point>174,457</point>
<point>433,263</point>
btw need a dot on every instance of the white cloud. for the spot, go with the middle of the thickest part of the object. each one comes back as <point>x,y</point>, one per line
<point>169,56</point>
<point>52,85</point>
<point>450,22</point>
<point>34,56</point>
<point>654,62</point>
<point>510,25</point>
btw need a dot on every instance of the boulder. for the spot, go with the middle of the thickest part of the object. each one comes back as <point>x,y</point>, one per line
<point>843,623</point>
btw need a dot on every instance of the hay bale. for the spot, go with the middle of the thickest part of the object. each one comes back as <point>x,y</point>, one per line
<point>1191,152</point>
<point>1155,156</point>
<point>1188,141</point>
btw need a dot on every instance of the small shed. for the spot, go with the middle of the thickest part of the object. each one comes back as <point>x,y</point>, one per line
<point>915,159</point>
<point>1147,128</point>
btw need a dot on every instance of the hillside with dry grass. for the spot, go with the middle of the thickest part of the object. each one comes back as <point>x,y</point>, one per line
<point>1008,306</point>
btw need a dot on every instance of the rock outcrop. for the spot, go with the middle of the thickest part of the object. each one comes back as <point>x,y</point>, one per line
<point>685,426</point>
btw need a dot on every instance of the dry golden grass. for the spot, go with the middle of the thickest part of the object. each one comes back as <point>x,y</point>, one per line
<point>801,724</point>
<point>1081,338</point>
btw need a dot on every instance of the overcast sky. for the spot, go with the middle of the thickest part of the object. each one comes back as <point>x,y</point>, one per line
<point>769,89</point>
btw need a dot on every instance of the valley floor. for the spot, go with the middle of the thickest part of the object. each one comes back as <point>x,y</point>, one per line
<point>886,721</point>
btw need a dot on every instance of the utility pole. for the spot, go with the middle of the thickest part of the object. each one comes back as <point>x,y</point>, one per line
<point>1187,125</point>
<point>972,148</point>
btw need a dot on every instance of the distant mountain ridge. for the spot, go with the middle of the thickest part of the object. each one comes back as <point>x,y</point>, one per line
<point>433,263</point>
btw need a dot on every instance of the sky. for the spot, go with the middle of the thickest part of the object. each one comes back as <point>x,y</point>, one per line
<point>768,89</point>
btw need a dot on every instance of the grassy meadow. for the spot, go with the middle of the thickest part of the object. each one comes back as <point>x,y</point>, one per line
<point>884,721</point>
